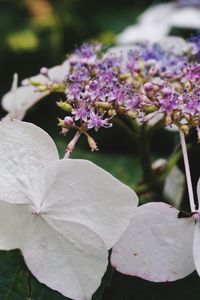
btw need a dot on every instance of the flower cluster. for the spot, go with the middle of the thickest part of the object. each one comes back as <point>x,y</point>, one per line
<point>141,83</point>
<point>145,82</point>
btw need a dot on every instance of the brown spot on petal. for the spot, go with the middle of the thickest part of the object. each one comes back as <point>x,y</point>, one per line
<point>135,253</point>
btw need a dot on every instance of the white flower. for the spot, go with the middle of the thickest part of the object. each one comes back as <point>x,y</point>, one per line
<point>62,214</point>
<point>158,246</point>
<point>18,100</point>
<point>187,17</point>
<point>156,22</point>
<point>152,25</point>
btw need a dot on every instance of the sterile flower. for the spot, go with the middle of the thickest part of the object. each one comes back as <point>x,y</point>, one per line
<point>160,244</point>
<point>157,21</point>
<point>62,214</point>
<point>18,100</point>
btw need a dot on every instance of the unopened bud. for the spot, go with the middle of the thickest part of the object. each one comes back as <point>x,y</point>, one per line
<point>92,143</point>
<point>187,85</point>
<point>131,114</point>
<point>72,143</point>
<point>168,120</point>
<point>64,105</point>
<point>125,76</point>
<point>159,165</point>
<point>112,112</point>
<point>176,86</point>
<point>32,82</point>
<point>148,86</point>
<point>55,86</point>
<point>185,129</point>
<point>104,105</point>
<point>149,108</point>
<point>166,91</point>
<point>69,121</point>
<point>64,131</point>
<point>137,68</point>
<point>42,88</point>
<point>44,71</point>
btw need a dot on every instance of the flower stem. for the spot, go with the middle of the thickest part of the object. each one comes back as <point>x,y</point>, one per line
<point>187,172</point>
<point>72,144</point>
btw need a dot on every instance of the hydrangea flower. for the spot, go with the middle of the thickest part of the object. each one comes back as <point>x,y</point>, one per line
<point>156,22</point>
<point>146,83</point>
<point>19,99</point>
<point>160,244</point>
<point>62,214</point>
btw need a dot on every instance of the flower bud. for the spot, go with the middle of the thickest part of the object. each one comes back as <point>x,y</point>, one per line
<point>125,76</point>
<point>112,112</point>
<point>185,129</point>
<point>64,105</point>
<point>92,143</point>
<point>44,71</point>
<point>149,108</point>
<point>42,88</point>
<point>61,123</point>
<point>104,105</point>
<point>168,120</point>
<point>69,121</point>
<point>148,86</point>
<point>166,91</point>
<point>131,114</point>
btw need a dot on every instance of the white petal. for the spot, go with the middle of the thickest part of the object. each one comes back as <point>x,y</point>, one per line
<point>80,191</point>
<point>174,186</point>
<point>19,101</point>
<point>25,153</point>
<point>157,14</point>
<point>58,73</point>
<point>157,246</point>
<point>68,258</point>
<point>140,32</point>
<point>196,246</point>
<point>153,25</point>
<point>13,224</point>
<point>188,17</point>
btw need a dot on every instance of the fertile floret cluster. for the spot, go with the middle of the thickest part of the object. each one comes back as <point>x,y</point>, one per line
<point>141,82</point>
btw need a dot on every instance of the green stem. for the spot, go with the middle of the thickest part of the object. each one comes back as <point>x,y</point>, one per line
<point>121,124</point>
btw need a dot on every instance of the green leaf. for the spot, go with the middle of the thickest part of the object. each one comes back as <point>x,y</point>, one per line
<point>17,283</point>
<point>13,278</point>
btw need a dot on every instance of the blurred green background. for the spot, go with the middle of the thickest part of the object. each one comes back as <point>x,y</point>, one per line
<point>36,33</point>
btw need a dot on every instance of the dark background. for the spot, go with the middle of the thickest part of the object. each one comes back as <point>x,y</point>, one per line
<point>36,33</point>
